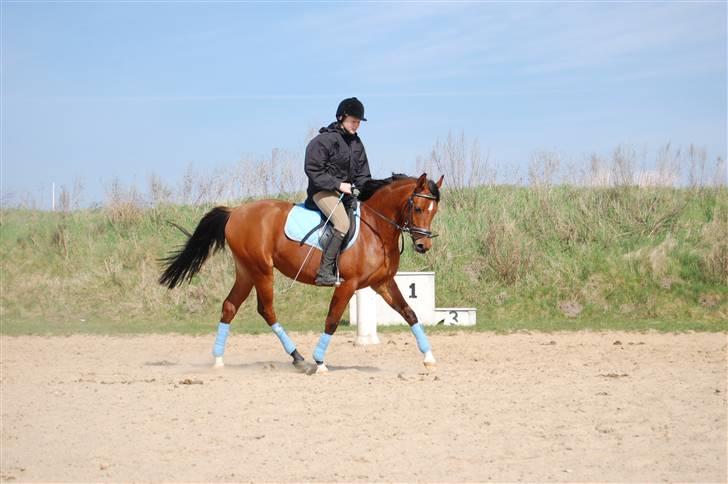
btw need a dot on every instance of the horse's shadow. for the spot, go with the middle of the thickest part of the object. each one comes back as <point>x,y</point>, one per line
<point>265,366</point>
<point>364,369</point>
<point>308,368</point>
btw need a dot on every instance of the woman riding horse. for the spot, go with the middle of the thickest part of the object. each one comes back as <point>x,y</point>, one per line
<point>254,232</point>
<point>336,159</point>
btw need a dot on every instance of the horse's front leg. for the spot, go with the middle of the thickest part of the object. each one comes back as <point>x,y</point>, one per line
<point>341,297</point>
<point>392,295</point>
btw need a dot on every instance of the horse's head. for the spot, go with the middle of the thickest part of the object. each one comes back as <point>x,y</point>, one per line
<point>420,210</point>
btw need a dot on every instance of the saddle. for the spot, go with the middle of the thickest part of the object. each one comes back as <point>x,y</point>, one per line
<point>306,226</point>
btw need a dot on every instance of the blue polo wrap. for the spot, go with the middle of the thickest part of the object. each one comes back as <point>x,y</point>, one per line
<point>323,344</point>
<point>422,342</point>
<point>288,345</point>
<point>223,329</point>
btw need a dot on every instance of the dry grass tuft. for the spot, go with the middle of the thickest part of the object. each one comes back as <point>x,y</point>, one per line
<point>714,261</point>
<point>506,253</point>
<point>124,206</point>
<point>658,257</point>
<point>59,240</point>
<point>570,308</point>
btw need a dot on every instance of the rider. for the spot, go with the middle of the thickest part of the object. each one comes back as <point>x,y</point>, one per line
<point>335,159</point>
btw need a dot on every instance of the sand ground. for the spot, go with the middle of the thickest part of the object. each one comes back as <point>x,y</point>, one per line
<point>540,407</point>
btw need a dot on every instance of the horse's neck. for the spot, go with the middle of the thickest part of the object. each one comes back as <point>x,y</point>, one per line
<point>390,202</point>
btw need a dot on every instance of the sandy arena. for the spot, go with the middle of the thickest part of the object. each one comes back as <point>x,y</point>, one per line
<point>538,407</point>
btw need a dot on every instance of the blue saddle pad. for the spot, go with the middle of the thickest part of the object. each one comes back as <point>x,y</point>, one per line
<point>301,221</point>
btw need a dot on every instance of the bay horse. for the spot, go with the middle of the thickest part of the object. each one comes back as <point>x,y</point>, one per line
<point>254,233</point>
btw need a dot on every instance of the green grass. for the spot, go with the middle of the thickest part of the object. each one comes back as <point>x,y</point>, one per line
<point>545,259</point>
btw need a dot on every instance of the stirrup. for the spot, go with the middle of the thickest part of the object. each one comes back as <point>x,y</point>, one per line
<point>328,280</point>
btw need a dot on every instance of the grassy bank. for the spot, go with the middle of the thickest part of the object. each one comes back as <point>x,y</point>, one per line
<point>528,258</point>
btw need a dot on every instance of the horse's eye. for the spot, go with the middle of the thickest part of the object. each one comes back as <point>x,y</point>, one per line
<point>418,209</point>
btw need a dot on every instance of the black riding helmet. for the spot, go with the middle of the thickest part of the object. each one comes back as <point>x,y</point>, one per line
<point>350,106</point>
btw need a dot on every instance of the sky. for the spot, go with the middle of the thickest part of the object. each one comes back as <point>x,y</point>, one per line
<point>96,91</point>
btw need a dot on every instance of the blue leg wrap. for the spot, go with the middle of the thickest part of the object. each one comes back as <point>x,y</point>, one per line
<point>422,342</point>
<point>223,329</point>
<point>285,340</point>
<point>323,344</point>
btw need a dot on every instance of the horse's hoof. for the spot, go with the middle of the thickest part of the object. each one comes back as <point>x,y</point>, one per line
<point>321,368</point>
<point>300,365</point>
<point>218,362</point>
<point>430,362</point>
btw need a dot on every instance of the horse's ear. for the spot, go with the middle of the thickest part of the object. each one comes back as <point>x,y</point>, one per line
<point>421,181</point>
<point>439,182</point>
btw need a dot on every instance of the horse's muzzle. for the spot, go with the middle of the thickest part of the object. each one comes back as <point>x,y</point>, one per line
<point>420,247</point>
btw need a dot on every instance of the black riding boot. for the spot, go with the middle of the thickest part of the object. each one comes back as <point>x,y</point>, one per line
<point>326,275</point>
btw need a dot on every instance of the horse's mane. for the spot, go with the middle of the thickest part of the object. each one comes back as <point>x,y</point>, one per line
<point>371,186</point>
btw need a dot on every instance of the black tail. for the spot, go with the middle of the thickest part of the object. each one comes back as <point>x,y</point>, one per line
<point>209,237</point>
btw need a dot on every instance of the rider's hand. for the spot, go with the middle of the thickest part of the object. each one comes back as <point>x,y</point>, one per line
<point>345,188</point>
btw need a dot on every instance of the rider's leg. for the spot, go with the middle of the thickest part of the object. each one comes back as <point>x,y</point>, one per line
<point>333,209</point>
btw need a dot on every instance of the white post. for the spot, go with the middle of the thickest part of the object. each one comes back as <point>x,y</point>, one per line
<point>366,317</point>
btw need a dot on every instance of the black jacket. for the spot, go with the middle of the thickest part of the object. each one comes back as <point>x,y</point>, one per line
<point>332,157</point>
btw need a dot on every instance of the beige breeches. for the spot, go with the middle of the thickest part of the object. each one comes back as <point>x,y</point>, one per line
<point>326,201</point>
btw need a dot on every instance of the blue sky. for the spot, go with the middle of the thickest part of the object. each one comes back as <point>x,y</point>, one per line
<point>94,91</point>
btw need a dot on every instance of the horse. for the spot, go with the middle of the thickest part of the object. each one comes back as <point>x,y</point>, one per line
<point>254,233</point>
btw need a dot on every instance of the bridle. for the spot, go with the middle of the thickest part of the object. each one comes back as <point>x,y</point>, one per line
<point>408,226</point>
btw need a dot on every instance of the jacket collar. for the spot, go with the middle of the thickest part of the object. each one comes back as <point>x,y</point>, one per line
<point>335,128</point>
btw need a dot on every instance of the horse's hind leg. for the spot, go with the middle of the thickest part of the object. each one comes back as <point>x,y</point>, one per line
<point>264,291</point>
<point>238,294</point>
